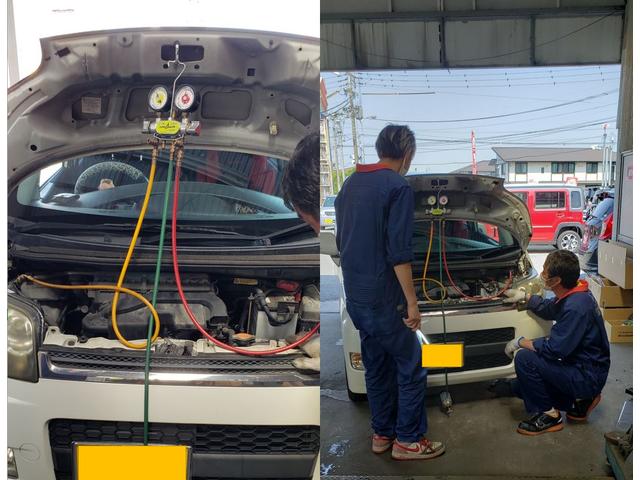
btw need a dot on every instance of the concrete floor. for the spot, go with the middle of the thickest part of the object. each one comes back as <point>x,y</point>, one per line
<point>480,434</point>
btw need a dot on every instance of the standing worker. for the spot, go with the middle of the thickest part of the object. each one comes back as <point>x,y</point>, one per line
<point>301,181</point>
<point>301,189</point>
<point>567,370</point>
<point>374,216</point>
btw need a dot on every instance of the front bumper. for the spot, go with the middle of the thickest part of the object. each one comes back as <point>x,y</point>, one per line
<point>497,324</point>
<point>32,406</point>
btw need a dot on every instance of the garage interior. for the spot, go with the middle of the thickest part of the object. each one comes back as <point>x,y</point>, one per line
<point>480,434</point>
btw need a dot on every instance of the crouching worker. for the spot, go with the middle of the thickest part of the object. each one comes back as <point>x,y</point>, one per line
<point>567,370</point>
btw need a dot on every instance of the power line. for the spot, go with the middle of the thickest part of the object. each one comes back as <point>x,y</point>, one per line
<point>559,105</point>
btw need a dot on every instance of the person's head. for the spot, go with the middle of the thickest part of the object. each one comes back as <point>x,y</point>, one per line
<point>561,271</point>
<point>301,181</point>
<point>396,144</point>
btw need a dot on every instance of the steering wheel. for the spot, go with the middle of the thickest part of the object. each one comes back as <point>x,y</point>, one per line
<point>118,173</point>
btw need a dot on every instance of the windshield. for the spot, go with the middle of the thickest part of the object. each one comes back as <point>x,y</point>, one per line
<point>462,237</point>
<point>329,201</point>
<point>604,208</point>
<point>215,186</point>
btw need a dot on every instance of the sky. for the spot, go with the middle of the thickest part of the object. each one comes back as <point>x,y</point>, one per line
<point>35,19</point>
<point>567,107</point>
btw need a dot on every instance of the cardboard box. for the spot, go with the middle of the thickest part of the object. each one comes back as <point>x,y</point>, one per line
<point>615,263</point>
<point>608,294</point>
<point>613,324</point>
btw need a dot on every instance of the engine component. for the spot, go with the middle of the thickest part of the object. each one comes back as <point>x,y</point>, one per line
<point>133,319</point>
<point>276,317</point>
<point>265,331</point>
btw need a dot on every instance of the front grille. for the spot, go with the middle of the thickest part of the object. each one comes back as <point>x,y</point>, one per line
<point>203,439</point>
<point>476,337</point>
<point>479,362</point>
<point>134,361</point>
<point>483,348</point>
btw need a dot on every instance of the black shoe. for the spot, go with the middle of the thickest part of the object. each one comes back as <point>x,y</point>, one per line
<point>581,409</point>
<point>501,388</point>
<point>541,423</point>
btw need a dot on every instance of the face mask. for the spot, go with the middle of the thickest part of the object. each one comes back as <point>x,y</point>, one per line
<point>403,171</point>
<point>545,285</point>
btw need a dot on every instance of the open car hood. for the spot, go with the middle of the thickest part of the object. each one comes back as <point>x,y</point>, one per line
<point>473,197</point>
<point>258,92</point>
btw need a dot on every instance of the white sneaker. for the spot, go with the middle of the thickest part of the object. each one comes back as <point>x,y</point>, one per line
<point>422,450</point>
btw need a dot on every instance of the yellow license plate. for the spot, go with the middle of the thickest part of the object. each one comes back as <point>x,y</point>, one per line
<point>131,462</point>
<point>328,220</point>
<point>439,355</point>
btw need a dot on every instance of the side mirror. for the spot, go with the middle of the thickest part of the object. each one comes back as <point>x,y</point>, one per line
<point>328,246</point>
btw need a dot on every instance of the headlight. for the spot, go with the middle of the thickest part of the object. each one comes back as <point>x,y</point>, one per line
<point>356,361</point>
<point>22,328</point>
<point>11,463</point>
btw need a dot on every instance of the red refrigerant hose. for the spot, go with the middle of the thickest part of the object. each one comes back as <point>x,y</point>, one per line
<point>455,287</point>
<point>176,271</point>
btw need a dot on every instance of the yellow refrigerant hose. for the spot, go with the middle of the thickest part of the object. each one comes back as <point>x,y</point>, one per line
<point>124,290</point>
<point>125,265</point>
<point>424,278</point>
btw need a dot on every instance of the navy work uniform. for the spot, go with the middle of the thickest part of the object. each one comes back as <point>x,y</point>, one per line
<point>374,229</point>
<point>573,362</point>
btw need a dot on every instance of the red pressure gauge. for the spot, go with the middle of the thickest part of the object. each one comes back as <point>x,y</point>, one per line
<point>185,99</point>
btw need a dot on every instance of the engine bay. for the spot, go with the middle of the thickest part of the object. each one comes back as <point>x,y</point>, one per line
<point>241,312</point>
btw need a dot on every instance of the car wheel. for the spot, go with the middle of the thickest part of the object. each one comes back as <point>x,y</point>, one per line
<point>568,240</point>
<point>354,397</point>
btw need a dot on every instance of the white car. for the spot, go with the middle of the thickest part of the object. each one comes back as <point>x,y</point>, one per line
<point>78,162</point>
<point>487,230</point>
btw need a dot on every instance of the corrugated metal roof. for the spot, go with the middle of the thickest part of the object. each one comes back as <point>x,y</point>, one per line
<point>524,154</point>
<point>484,167</point>
<point>424,34</point>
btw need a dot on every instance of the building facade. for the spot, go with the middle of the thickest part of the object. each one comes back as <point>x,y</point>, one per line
<point>583,166</point>
<point>326,185</point>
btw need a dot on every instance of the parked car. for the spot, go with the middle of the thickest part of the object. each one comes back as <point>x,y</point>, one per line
<point>328,213</point>
<point>78,167</point>
<point>487,231</point>
<point>556,213</point>
<point>599,226</point>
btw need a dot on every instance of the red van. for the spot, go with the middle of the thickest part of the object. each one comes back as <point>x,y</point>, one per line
<point>556,213</point>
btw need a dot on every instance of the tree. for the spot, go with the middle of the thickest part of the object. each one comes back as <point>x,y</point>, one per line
<point>347,171</point>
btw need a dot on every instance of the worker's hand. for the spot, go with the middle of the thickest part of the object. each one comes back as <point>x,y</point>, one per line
<point>312,349</point>
<point>514,296</point>
<point>512,346</point>
<point>413,320</point>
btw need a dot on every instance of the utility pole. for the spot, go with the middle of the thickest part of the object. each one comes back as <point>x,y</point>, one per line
<point>353,113</point>
<point>474,165</point>
<point>604,156</point>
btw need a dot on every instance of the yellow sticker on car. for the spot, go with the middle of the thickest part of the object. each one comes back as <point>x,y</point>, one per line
<point>441,355</point>
<point>131,462</point>
<point>167,127</point>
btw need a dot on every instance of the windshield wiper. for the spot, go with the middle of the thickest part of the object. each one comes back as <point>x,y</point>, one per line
<point>286,231</point>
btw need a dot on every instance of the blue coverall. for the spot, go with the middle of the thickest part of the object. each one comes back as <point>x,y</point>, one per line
<point>573,362</point>
<point>374,228</point>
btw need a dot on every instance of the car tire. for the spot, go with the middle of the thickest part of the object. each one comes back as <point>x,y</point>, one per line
<point>354,397</point>
<point>568,240</point>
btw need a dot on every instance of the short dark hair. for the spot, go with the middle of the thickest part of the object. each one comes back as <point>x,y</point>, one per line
<point>563,264</point>
<point>301,181</point>
<point>396,142</point>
